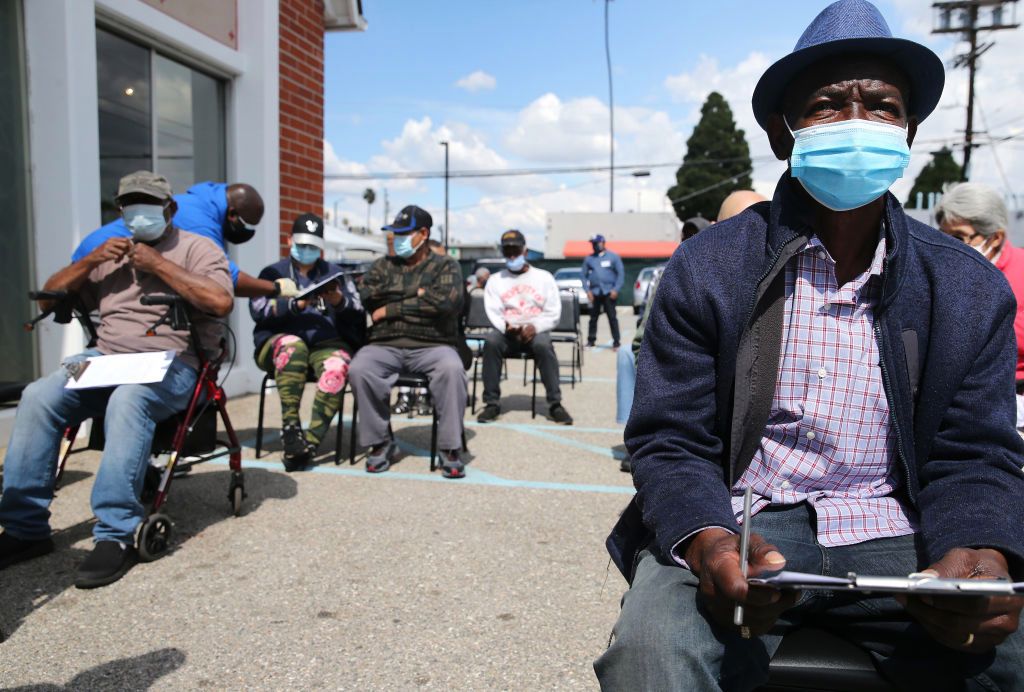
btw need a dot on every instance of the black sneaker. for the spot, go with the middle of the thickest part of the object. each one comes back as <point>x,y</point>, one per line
<point>295,454</point>
<point>489,414</point>
<point>626,465</point>
<point>402,404</point>
<point>379,458</point>
<point>14,550</point>
<point>560,415</point>
<point>451,465</point>
<point>108,562</point>
<point>423,406</point>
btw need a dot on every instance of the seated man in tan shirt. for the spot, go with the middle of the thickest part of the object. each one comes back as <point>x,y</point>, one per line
<point>113,278</point>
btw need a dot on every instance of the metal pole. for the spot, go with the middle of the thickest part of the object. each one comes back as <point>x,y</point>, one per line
<point>972,60</point>
<point>611,113</point>
<point>445,240</point>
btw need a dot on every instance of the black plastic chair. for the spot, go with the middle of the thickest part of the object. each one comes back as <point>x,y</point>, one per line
<point>310,377</point>
<point>567,331</point>
<point>810,658</point>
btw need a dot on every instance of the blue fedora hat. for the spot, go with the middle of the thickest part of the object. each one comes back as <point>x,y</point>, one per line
<point>853,27</point>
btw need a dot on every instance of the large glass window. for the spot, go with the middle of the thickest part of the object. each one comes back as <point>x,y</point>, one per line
<point>18,361</point>
<point>155,113</point>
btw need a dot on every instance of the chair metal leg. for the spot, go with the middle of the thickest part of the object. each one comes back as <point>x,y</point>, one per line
<point>259,420</point>
<point>533,399</point>
<point>352,437</point>
<point>472,400</point>
<point>433,443</point>
<point>341,425</point>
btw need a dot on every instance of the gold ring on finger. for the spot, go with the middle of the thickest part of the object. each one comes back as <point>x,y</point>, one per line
<point>969,640</point>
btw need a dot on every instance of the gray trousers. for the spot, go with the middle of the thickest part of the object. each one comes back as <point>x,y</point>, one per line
<point>497,346</point>
<point>373,373</point>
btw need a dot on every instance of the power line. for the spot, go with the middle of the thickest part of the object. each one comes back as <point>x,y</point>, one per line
<point>511,172</point>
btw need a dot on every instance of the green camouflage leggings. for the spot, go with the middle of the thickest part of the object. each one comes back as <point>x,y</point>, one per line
<point>289,359</point>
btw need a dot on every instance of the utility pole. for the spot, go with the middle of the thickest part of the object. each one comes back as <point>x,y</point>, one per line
<point>387,208</point>
<point>966,17</point>
<point>611,113</point>
<point>445,239</point>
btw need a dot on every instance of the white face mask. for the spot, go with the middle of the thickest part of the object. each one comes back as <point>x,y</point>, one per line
<point>146,221</point>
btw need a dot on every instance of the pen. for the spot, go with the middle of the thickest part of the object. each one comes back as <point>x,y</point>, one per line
<point>737,616</point>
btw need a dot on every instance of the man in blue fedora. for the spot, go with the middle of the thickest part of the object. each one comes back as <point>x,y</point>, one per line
<point>855,370</point>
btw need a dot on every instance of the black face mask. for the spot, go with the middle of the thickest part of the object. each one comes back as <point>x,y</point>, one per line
<point>236,232</point>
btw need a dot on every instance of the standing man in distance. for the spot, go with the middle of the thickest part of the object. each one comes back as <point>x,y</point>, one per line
<point>851,367</point>
<point>523,305</point>
<point>602,280</point>
<point>221,212</point>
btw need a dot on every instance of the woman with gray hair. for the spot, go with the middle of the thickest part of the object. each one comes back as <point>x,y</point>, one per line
<point>976,214</point>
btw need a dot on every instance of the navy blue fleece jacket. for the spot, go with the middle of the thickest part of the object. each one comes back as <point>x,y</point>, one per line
<point>944,324</point>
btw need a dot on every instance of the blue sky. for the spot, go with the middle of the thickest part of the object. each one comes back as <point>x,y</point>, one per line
<point>524,84</point>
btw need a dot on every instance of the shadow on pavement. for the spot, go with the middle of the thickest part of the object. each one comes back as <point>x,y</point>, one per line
<point>196,502</point>
<point>135,673</point>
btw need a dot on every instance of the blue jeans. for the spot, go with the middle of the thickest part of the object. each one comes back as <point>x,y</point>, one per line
<point>664,640</point>
<point>130,411</point>
<point>625,383</point>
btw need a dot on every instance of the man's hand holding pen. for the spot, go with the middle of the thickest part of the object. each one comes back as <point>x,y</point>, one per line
<point>714,556</point>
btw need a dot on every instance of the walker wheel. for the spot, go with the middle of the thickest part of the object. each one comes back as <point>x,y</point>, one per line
<point>236,496</point>
<point>155,537</point>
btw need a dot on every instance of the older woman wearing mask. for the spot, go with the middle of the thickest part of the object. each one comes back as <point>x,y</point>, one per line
<point>976,214</point>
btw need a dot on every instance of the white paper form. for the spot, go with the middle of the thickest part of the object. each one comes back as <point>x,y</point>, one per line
<point>122,368</point>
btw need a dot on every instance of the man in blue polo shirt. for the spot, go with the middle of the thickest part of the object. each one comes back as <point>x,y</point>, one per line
<point>602,280</point>
<point>221,212</point>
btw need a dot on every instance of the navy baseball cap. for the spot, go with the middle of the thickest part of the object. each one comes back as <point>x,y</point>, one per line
<point>597,238</point>
<point>410,219</point>
<point>852,27</point>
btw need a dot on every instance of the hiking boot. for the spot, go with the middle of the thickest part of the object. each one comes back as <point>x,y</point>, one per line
<point>489,414</point>
<point>402,404</point>
<point>379,458</point>
<point>108,562</point>
<point>295,454</point>
<point>14,550</point>
<point>451,465</point>
<point>559,415</point>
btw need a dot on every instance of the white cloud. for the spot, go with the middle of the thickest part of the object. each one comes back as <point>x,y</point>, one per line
<point>477,81</point>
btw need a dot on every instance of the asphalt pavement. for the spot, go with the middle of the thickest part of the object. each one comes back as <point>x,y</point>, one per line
<point>335,579</point>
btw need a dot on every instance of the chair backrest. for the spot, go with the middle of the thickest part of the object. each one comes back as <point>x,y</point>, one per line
<point>477,317</point>
<point>570,318</point>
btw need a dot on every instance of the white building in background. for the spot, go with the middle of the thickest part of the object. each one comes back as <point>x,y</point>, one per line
<point>642,235</point>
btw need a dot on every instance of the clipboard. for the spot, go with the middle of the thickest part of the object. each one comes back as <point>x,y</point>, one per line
<point>312,291</point>
<point>912,584</point>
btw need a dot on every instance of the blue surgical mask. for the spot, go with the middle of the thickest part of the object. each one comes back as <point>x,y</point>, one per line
<point>404,247</point>
<point>145,221</point>
<point>305,254</point>
<point>516,264</point>
<point>848,164</point>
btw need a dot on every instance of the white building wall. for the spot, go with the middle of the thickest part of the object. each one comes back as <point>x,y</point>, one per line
<point>60,38</point>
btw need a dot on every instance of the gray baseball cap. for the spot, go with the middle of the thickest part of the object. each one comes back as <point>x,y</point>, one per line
<point>144,183</point>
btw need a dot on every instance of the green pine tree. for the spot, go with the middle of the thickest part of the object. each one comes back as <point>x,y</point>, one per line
<point>936,175</point>
<point>717,162</point>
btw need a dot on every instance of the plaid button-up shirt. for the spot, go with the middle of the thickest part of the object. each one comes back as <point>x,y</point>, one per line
<point>828,441</point>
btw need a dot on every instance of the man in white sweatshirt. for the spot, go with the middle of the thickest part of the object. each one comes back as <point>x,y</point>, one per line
<point>523,304</point>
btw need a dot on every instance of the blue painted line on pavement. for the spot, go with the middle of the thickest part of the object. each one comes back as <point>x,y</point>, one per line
<point>473,477</point>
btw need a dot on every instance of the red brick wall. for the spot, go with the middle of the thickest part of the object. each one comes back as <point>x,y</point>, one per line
<point>301,45</point>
